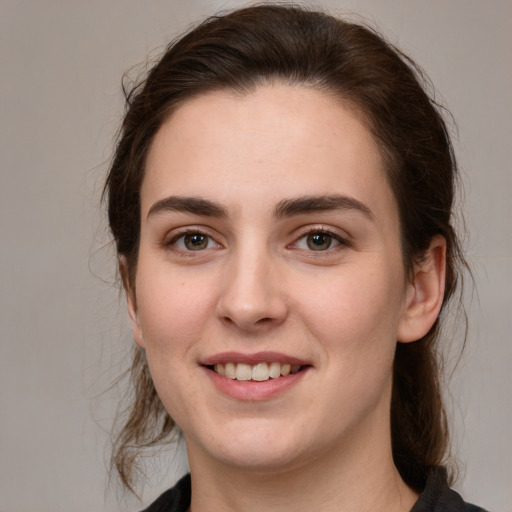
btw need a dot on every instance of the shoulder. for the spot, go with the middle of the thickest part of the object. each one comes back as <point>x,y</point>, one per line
<point>438,497</point>
<point>176,499</point>
<point>473,508</point>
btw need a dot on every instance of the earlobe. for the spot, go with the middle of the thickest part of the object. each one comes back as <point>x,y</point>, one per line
<point>131,302</point>
<point>425,293</point>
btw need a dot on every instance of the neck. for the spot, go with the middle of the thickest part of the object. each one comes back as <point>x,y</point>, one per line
<point>302,492</point>
<point>356,476</point>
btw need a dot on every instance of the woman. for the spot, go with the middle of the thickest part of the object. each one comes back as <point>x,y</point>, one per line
<point>281,200</point>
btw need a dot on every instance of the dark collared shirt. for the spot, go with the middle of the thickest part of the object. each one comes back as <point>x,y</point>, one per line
<point>437,497</point>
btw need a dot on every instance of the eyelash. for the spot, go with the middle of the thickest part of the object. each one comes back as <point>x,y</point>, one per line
<point>342,242</point>
<point>172,243</point>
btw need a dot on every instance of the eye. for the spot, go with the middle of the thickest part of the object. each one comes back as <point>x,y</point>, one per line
<point>193,241</point>
<point>319,241</point>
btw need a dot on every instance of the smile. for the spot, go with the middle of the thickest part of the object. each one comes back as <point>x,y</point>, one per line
<point>258,372</point>
<point>255,377</point>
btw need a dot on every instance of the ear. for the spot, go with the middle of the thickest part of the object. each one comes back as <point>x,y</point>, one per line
<point>425,292</point>
<point>131,301</point>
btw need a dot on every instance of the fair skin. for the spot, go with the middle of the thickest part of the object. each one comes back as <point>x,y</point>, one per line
<point>270,236</point>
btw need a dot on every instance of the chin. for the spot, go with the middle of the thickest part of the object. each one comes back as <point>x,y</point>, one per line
<point>252,447</point>
<point>258,459</point>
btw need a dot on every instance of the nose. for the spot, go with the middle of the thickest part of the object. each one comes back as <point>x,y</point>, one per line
<point>252,295</point>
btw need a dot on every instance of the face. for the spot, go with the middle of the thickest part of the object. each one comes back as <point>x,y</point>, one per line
<point>270,290</point>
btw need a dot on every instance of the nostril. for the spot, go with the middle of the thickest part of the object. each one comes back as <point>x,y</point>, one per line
<point>265,320</point>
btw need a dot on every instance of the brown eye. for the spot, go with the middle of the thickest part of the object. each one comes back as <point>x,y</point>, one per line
<point>195,241</point>
<point>319,241</point>
<point>192,241</point>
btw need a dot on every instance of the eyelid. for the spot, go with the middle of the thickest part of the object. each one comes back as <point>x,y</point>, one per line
<point>171,238</point>
<point>344,241</point>
<point>169,241</point>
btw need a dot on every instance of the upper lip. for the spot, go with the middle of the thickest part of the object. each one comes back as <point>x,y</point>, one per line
<point>252,359</point>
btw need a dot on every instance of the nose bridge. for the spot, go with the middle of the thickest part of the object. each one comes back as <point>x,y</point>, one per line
<point>251,296</point>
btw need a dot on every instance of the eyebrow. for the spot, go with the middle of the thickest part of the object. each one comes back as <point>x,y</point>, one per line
<point>311,204</point>
<point>195,205</point>
<point>286,208</point>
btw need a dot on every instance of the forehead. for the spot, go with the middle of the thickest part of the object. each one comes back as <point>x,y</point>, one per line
<point>276,141</point>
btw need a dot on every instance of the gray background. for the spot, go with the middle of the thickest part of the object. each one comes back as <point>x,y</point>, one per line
<point>63,326</point>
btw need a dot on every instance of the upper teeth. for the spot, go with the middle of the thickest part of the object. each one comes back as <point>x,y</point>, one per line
<point>258,372</point>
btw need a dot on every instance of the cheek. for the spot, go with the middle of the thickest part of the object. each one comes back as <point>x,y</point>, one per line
<point>173,309</point>
<point>361,304</point>
<point>355,321</point>
<point>173,315</point>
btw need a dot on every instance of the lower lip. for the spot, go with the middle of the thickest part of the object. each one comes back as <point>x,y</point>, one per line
<point>253,390</point>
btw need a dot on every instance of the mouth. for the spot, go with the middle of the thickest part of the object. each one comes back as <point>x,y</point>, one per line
<point>259,372</point>
<point>259,376</point>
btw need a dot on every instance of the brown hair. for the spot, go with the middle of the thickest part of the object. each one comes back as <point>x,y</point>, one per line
<point>291,44</point>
